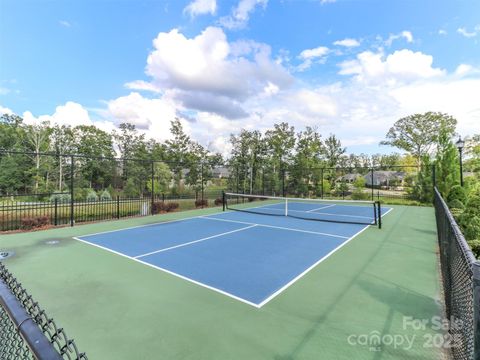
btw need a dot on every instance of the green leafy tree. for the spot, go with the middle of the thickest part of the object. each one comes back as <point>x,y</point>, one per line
<point>333,150</point>
<point>307,161</point>
<point>418,133</point>
<point>446,163</point>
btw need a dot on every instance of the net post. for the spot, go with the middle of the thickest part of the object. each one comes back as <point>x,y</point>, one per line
<point>371,179</point>
<point>223,199</point>
<point>152,199</point>
<point>476,309</point>
<point>379,210</point>
<point>72,195</point>
<point>375,213</point>
<point>286,207</point>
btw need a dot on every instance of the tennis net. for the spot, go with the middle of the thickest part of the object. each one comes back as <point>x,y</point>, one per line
<point>341,211</point>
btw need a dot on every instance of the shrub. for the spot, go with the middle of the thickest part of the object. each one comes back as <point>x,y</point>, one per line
<point>162,207</point>
<point>158,207</point>
<point>218,201</point>
<point>201,202</point>
<point>456,204</point>
<point>360,195</point>
<point>470,225</point>
<point>34,222</point>
<point>92,195</point>
<point>105,195</point>
<point>473,205</point>
<point>475,246</point>
<point>61,198</point>
<point>172,206</point>
<point>457,192</point>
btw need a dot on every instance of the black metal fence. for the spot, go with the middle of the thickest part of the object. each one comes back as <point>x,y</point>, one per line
<point>27,212</point>
<point>64,189</point>
<point>26,331</point>
<point>461,283</point>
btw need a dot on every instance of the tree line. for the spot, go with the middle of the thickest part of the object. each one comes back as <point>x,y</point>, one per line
<point>257,160</point>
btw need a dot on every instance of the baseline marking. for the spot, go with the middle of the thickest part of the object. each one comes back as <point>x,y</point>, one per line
<point>194,241</point>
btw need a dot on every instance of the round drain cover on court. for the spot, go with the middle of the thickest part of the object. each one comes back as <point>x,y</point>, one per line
<point>6,254</point>
<point>52,242</point>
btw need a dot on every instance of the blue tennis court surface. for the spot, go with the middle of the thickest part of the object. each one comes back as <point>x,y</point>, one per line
<point>247,256</point>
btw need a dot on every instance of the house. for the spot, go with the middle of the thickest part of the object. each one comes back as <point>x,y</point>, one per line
<point>385,178</point>
<point>349,178</point>
<point>220,172</point>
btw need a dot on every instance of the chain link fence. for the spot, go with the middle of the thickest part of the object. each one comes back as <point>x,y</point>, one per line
<point>461,283</point>
<point>26,331</point>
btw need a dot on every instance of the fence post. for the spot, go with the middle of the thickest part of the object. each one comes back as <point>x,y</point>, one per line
<point>283,183</point>
<point>201,179</point>
<point>118,207</point>
<point>371,177</point>
<point>321,183</point>
<point>223,200</point>
<point>434,177</point>
<point>72,194</point>
<point>153,188</point>
<point>476,310</point>
<point>55,217</point>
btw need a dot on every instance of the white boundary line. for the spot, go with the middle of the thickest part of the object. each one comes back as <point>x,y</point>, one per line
<point>320,208</point>
<point>172,273</point>
<point>258,306</point>
<point>194,241</point>
<point>276,227</point>
<point>155,224</point>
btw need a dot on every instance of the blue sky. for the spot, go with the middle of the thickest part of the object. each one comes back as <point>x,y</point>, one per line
<point>349,67</point>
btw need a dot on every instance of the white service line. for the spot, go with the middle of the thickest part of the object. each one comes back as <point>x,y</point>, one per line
<point>275,227</point>
<point>194,241</point>
<point>320,208</point>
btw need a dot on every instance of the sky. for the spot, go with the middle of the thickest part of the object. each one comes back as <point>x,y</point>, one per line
<point>347,67</point>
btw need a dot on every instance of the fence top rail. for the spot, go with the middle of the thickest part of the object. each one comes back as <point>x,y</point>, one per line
<point>467,252</point>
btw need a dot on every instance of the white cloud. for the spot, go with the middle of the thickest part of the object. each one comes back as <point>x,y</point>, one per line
<point>208,70</point>
<point>241,14</point>
<point>469,34</point>
<point>142,86</point>
<point>442,32</point>
<point>65,23</point>
<point>407,35</point>
<point>309,56</point>
<point>4,90</point>
<point>327,1</point>
<point>5,110</point>
<point>402,65</point>
<point>347,42</point>
<point>201,7</point>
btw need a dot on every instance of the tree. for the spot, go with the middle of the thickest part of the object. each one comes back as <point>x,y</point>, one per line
<point>280,142</point>
<point>37,139</point>
<point>177,150</point>
<point>62,141</point>
<point>307,161</point>
<point>418,133</point>
<point>96,147</point>
<point>333,150</point>
<point>446,162</point>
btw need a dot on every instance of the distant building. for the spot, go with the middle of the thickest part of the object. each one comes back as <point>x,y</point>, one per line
<point>220,172</point>
<point>349,178</point>
<point>385,178</point>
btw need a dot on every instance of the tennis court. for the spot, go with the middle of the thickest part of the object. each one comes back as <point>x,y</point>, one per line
<point>246,284</point>
<point>245,255</point>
